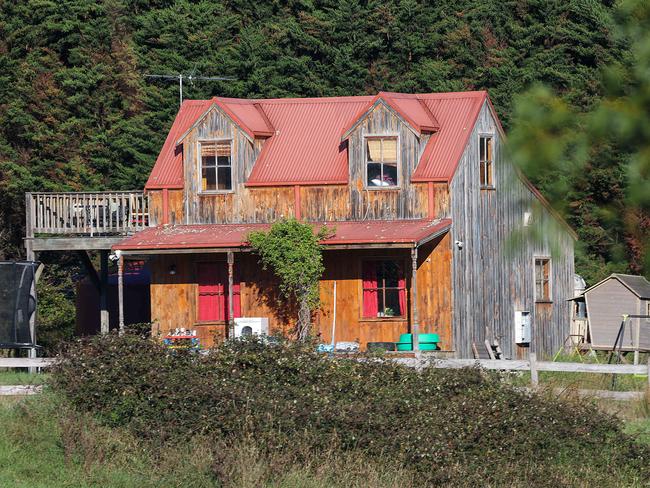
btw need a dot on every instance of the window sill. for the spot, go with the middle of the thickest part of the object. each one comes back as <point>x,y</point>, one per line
<point>383,319</point>
<point>488,188</point>
<point>214,192</point>
<point>210,322</point>
<point>543,301</point>
<point>382,188</point>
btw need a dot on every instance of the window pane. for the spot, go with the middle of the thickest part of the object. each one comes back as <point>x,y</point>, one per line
<point>389,149</point>
<point>390,174</point>
<point>391,305</point>
<point>373,149</point>
<point>225,182</point>
<point>374,174</point>
<point>208,179</point>
<point>208,149</point>
<point>488,173</point>
<point>390,274</point>
<point>488,148</point>
<point>482,178</point>
<point>481,145</point>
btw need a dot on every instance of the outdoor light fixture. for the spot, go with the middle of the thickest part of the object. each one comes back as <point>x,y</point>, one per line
<point>459,244</point>
<point>172,269</point>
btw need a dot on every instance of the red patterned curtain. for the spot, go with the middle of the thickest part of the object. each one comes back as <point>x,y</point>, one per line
<point>370,302</point>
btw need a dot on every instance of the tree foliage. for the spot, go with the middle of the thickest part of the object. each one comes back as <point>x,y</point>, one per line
<point>594,166</point>
<point>76,112</point>
<point>292,251</point>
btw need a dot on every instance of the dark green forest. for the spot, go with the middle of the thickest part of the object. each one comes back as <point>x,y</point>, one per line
<point>77,113</point>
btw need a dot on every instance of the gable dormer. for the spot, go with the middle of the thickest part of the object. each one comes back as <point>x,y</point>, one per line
<point>385,140</point>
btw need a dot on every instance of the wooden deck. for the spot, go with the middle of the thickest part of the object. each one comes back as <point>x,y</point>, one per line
<point>82,220</point>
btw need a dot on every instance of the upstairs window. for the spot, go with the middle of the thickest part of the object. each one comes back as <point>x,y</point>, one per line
<point>542,280</point>
<point>381,162</point>
<point>384,289</point>
<point>216,166</point>
<point>486,161</point>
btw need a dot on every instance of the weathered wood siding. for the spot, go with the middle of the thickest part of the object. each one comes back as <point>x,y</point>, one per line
<point>175,213</point>
<point>174,297</point>
<point>493,273</point>
<point>606,304</point>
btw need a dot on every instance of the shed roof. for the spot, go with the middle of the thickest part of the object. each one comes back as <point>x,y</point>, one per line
<point>304,146</point>
<point>636,284</point>
<point>215,236</point>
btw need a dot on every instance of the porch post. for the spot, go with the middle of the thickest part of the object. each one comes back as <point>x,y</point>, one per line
<point>231,308</point>
<point>120,292</point>
<point>415,325</point>
<point>103,291</point>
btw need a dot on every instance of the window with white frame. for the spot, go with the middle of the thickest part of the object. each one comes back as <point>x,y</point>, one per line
<point>216,166</point>
<point>486,161</point>
<point>381,162</point>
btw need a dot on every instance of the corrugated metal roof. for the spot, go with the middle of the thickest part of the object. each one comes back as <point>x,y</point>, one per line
<point>235,235</point>
<point>456,114</point>
<point>305,145</point>
<point>306,148</point>
<point>168,170</point>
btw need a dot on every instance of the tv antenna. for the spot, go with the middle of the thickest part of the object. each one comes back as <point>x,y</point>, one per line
<point>191,78</point>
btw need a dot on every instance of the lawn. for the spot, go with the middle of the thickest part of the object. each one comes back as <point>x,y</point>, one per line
<point>17,377</point>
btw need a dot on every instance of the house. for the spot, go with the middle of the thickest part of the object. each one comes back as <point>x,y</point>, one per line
<point>417,188</point>
<point>423,199</point>
<point>607,301</point>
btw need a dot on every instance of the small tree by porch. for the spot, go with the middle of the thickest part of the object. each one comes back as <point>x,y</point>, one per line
<point>292,251</point>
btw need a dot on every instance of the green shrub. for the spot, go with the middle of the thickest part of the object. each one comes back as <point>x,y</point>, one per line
<point>449,426</point>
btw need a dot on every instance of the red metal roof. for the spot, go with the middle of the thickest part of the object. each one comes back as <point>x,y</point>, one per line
<point>303,144</point>
<point>214,236</point>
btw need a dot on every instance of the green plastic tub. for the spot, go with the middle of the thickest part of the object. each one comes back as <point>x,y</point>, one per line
<point>428,342</point>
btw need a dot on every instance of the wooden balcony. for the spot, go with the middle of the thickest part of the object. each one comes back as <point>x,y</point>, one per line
<point>83,220</point>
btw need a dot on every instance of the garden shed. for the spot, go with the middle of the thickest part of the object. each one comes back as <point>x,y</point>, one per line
<point>607,302</point>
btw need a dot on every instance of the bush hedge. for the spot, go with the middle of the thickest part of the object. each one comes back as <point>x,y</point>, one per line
<point>457,427</point>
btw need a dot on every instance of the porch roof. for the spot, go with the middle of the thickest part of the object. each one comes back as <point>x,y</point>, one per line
<point>374,233</point>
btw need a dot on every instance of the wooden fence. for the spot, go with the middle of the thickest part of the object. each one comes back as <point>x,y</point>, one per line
<point>87,213</point>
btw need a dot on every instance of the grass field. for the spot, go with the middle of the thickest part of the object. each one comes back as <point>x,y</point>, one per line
<point>13,377</point>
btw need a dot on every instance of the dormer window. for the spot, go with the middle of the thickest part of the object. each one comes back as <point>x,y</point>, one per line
<point>381,162</point>
<point>216,166</point>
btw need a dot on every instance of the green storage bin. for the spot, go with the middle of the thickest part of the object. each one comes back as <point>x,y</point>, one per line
<point>429,338</point>
<point>404,346</point>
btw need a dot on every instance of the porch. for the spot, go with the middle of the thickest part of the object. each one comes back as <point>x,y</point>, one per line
<point>391,277</point>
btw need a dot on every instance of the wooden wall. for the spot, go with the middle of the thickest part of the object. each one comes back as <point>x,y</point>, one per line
<point>493,273</point>
<point>174,297</point>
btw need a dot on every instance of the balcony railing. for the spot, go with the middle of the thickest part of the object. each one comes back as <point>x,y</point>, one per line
<point>87,213</point>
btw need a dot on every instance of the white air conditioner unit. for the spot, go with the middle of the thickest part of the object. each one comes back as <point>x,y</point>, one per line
<point>251,326</point>
<point>523,324</point>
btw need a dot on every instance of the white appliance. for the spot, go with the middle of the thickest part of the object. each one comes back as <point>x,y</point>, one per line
<point>523,324</point>
<point>251,326</point>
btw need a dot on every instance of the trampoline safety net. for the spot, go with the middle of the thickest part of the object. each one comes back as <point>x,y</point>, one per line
<point>17,303</point>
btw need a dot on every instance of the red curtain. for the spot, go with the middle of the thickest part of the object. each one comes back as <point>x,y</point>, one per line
<point>402,294</point>
<point>370,302</point>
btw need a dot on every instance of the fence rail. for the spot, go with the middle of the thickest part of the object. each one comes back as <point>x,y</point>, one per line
<point>86,213</point>
<point>531,365</point>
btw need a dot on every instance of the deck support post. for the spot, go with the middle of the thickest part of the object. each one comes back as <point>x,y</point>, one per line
<point>103,292</point>
<point>415,325</point>
<point>534,375</point>
<point>29,229</point>
<point>120,292</point>
<point>231,308</point>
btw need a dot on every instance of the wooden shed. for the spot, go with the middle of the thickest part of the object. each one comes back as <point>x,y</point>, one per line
<point>607,302</point>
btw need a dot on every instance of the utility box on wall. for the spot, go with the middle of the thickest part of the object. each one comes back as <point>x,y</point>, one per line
<point>523,325</point>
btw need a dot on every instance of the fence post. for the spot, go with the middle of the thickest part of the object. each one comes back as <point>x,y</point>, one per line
<point>534,376</point>
<point>649,374</point>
